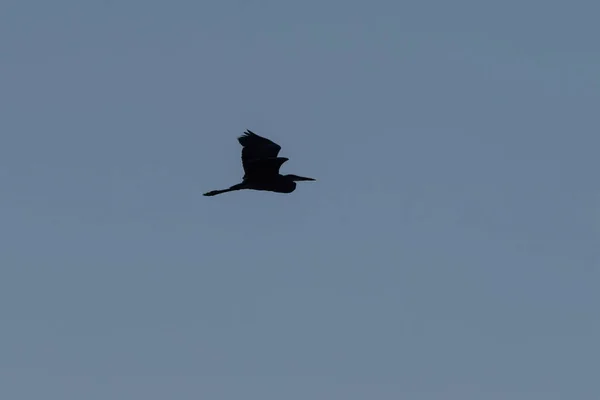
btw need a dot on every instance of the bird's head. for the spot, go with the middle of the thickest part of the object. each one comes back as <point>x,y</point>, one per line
<point>297,178</point>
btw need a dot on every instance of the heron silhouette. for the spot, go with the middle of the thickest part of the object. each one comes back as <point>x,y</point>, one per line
<point>261,167</point>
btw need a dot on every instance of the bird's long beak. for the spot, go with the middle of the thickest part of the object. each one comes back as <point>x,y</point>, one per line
<point>302,178</point>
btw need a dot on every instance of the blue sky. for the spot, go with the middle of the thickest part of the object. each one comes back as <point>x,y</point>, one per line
<point>447,250</point>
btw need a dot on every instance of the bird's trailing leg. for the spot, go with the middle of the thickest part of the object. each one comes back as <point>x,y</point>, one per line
<point>239,186</point>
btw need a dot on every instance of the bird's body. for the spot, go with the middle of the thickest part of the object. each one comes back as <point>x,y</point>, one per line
<point>261,167</point>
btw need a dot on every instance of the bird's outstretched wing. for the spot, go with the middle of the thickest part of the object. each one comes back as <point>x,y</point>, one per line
<point>255,146</point>
<point>259,155</point>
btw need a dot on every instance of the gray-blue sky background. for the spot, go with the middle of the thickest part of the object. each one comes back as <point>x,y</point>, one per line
<point>447,250</point>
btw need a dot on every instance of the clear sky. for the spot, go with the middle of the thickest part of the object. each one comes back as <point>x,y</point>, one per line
<point>449,248</point>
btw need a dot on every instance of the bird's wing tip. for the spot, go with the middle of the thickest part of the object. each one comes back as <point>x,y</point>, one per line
<point>247,133</point>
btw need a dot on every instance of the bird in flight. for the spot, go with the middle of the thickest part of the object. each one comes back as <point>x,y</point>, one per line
<point>261,167</point>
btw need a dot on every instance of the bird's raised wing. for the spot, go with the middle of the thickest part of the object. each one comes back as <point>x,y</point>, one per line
<point>255,146</point>
<point>259,154</point>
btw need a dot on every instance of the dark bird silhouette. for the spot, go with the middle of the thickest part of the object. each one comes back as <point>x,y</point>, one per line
<point>261,167</point>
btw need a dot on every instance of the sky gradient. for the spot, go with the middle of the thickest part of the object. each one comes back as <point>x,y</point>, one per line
<point>449,248</point>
